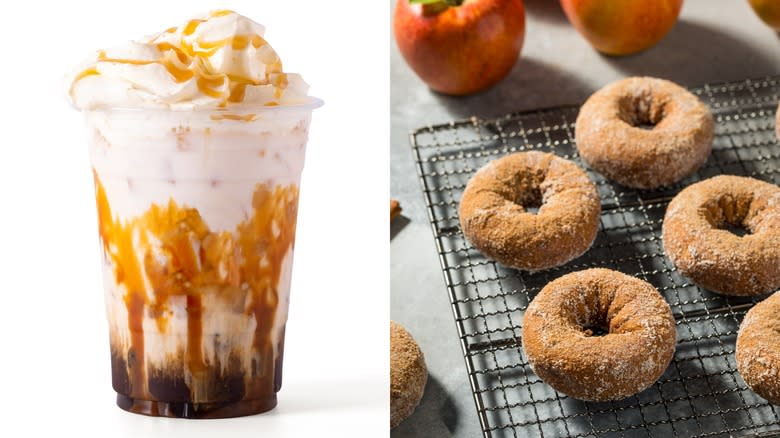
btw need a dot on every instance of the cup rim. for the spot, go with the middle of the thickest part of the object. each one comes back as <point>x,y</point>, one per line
<point>310,104</point>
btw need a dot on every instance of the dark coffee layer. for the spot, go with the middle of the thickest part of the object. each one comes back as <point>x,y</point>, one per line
<point>174,390</point>
<point>196,410</point>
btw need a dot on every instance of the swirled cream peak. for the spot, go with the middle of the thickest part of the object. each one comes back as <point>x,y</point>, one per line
<point>216,60</point>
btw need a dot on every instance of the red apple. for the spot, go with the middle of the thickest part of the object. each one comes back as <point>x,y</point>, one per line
<point>769,11</point>
<point>622,27</point>
<point>460,47</point>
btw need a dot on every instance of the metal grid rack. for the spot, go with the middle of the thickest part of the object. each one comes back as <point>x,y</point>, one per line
<point>701,393</point>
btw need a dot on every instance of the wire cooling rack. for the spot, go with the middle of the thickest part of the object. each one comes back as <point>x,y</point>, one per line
<point>701,393</point>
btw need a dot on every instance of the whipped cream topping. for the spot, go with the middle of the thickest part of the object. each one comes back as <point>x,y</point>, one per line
<point>213,61</point>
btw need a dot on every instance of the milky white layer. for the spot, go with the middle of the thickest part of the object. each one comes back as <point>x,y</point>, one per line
<point>148,157</point>
<point>166,70</point>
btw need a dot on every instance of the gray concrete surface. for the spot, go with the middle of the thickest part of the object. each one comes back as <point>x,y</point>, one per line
<point>715,40</point>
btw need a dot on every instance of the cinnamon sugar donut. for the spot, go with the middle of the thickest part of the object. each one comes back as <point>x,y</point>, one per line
<point>697,242</point>
<point>758,349</point>
<point>408,374</point>
<point>611,139</point>
<point>494,218</point>
<point>562,350</point>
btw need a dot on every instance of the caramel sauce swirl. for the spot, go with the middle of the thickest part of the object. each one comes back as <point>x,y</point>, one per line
<point>169,251</point>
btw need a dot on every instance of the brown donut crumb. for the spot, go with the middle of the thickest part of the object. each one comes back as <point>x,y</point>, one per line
<point>395,209</point>
<point>562,351</point>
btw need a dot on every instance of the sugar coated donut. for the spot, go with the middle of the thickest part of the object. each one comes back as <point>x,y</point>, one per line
<point>408,374</point>
<point>494,216</point>
<point>698,242</point>
<point>611,135</point>
<point>562,350</point>
<point>758,349</point>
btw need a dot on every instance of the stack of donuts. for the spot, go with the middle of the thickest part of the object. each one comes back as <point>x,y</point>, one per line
<point>642,133</point>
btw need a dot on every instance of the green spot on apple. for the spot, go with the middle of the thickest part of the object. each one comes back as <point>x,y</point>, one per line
<point>430,2</point>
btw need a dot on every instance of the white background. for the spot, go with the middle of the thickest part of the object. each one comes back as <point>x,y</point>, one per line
<point>54,355</point>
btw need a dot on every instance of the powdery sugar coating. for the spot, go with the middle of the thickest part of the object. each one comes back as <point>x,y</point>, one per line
<point>758,349</point>
<point>633,354</point>
<point>493,212</point>
<point>408,374</point>
<point>611,140</point>
<point>713,257</point>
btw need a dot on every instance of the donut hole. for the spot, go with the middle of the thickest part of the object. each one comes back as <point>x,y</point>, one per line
<point>729,213</point>
<point>738,230</point>
<point>591,330</point>
<point>530,200</point>
<point>598,321</point>
<point>641,111</point>
<point>532,207</point>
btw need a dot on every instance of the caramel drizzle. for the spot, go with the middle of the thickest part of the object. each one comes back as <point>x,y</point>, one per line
<point>177,255</point>
<point>118,243</point>
<point>230,116</point>
<point>273,228</point>
<point>280,83</point>
<point>191,26</point>
<point>187,61</point>
<point>91,71</point>
<point>220,13</point>
<point>178,74</point>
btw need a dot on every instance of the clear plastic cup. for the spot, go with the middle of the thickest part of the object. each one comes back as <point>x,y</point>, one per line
<point>197,214</point>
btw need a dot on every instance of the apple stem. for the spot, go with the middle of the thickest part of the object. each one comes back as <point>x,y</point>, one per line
<point>434,2</point>
<point>436,7</point>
